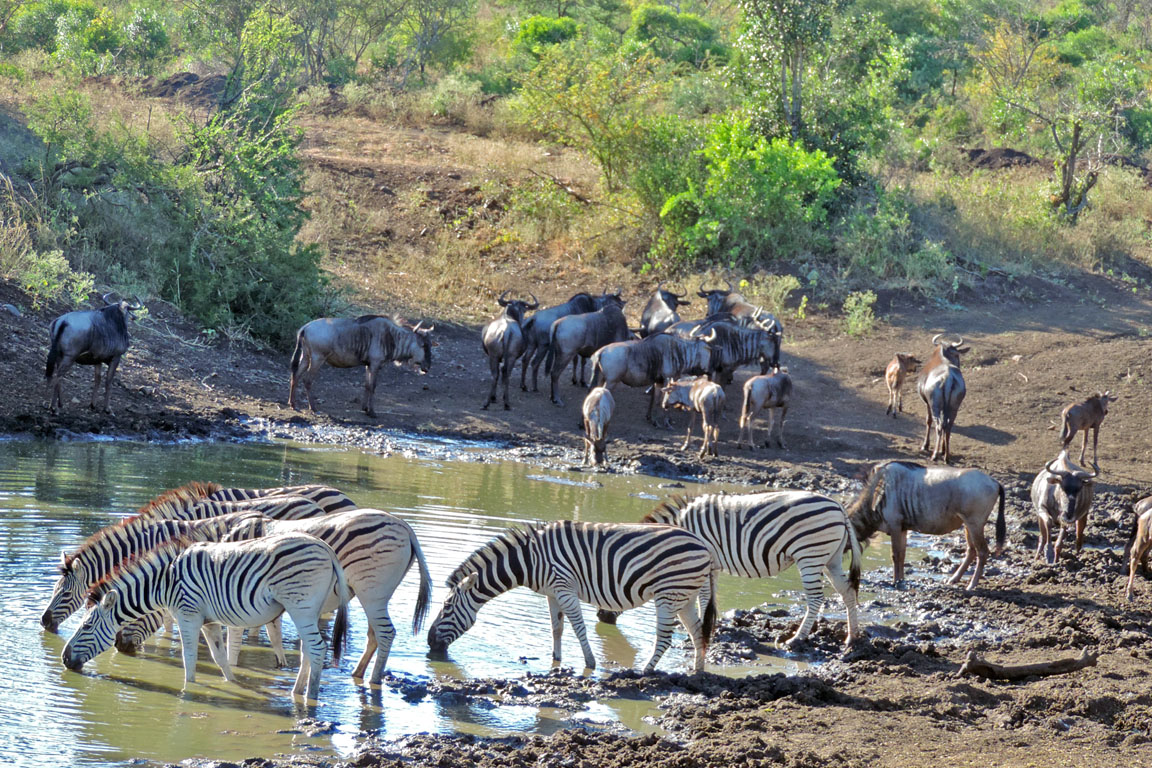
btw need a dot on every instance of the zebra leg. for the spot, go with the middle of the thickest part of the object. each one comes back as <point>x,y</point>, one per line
<point>569,605</point>
<point>235,640</point>
<point>810,577</point>
<point>370,647</point>
<point>276,640</point>
<point>557,616</point>
<point>312,649</point>
<point>843,587</point>
<point>665,623</point>
<point>690,618</point>
<point>213,636</point>
<point>382,629</point>
<point>189,644</point>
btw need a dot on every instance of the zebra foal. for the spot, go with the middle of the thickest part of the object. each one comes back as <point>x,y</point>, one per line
<point>760,534</point>
<point>243,584</point>
<point>376,550</point>
<point>609,565</point>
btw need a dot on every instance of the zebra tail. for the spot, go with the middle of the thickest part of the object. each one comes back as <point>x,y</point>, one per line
<point>424,598</point>
<point>1001,526</point>
<point>340,625</point>
<point>857,557</point>
<point>54,350</point>
<point>710,612</point>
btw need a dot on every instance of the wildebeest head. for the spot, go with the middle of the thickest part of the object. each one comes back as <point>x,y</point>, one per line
<point>718,298</point>
<point>515,308</point>
<point>423,336</point>
<point>127,307</point>
<point>607,299</point>
<point>1072,483</point>
<point>947,350</point>
<point>672,300</point>
<point>907,363</point>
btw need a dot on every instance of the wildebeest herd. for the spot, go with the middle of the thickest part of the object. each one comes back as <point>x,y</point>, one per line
<point>210,556</point>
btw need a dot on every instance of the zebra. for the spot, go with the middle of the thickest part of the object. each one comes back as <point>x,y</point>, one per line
<point>327,498</point>
<point>610,565</point>
<point>376,549</point>
<point>760,534</point>
<point>240,584</point>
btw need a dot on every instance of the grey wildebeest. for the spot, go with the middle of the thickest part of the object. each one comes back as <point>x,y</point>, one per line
<point>698,396</point>
<point>728,305</point>
<point>538,330</point>
<point>582,335</point>
<point>597,410</point>
<point>1062,496</point>
<point>650,362</point>
<point>1136,553</point>
<point>899,368</point>
<point>942,389</point>
<point>771,392</point>
<point>368,340</point>
<point>660,312</point>
<point>88,337</point>
<point>900,496</point>
<point>503,341</point>
<point>1085,416</point>
<point>733,347</point>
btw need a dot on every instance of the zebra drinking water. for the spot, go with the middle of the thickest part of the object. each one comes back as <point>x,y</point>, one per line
<point>326,497</point>
<point>243,584</point>
<point>760,534</point>
<point>606,564</point>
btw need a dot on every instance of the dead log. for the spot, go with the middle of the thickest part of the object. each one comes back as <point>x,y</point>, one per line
<point>979,667</point>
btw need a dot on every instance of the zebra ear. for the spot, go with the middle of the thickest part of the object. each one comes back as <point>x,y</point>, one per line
<point>109,600</point>
<point>63,559</point>
<point>469,581</point>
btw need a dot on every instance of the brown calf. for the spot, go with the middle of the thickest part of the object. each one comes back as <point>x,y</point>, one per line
<point>1138,544</point>
<point>1084,416</point>
<point>698,396</point>
<point>772,392</point>
<point>901,367</point>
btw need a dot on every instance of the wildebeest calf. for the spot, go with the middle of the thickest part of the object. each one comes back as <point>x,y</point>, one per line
<point>942,389</point>
<point>1062,496</point>
<point>698,396</point>
<point>503,341</point>
<point>897,371</point>
<point>1136,553</point>
<point>598,408</point>
<point>772,392</point>
<point>1084,416</point>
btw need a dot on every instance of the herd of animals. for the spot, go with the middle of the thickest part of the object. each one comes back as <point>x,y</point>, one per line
<point>210,556</point>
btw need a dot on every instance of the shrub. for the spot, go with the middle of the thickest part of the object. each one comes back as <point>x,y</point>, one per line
<point>146,39</point>
<point>88,39</point>
<point>453,95</point>
<point>538,32</point>
<point>35,25</point>
<point>858,316</point>
<point>45,275</point>
<point>683,37</point>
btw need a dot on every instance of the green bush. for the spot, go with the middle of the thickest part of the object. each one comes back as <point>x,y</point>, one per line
<point>663,160</point>
<point>538,32</point>
<point>453,95</point>
<point>88,39</point>
<point>858,316</point>
<point>683,37</point>
<point>761,199</point>
<point>146,41</point>
<point>35,24</point>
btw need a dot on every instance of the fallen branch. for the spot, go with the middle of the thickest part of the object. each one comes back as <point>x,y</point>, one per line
<point>979,667</point>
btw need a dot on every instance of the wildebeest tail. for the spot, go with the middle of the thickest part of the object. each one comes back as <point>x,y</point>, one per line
<point>1066,430</point>
<point>54,350</point>
<point>298,353</point>
<point>551,349</point>
<point>1001,525</point>
<point>598,377</point>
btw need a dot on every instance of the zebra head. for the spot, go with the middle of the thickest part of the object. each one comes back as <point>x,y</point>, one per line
<point>96,633</point>
<point>67,595</point>
<point>458,614</point>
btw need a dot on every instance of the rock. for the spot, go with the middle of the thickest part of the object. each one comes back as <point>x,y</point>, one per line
<point>12,310</point>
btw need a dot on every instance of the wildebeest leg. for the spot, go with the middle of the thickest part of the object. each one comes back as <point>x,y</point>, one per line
<point>969,556</point>
<point>1095,437</point>
<point>891,409</point>
<point>780,432</point>
<point>688,437</point>
<point>56,385</point>
<point>95,385</point>
<point>1081,526</point>
<point>309,376</point>
<point>899,550</point>
<point>1045,537</point>
<point>529,349</point>
<point>558,366</point>
<point>112,365</point>
<point>927,428</point>
<point>494,368</point>
<point>537,359</point>
<point>810,575</point>
<point>1084,446</point>
<point>899,402</point>
<point>1059,544</point>
<point>370,372</point>
<point>508,365</point>
<point>577,382</point>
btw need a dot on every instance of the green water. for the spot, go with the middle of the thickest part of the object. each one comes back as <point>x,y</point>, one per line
<point>54,494</point>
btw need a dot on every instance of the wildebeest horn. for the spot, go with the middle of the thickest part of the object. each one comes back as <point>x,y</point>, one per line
<point>1048,466</point>
<point>1089,475</point>
<point>535,302</point>
<point>659,284</point>
<point>501,300</point>
<point>138,304</point>
<point>958,342</point>
<point>711,337</point>
<point>730,286</point>
<point>936,338</point>
<point>106,299</point>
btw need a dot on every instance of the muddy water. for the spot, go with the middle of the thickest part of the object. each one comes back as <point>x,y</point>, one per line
<point>52,495</point>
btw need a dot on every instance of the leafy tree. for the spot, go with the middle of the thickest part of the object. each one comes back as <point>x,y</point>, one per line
<point>537,32</point>
<point>675,36</point>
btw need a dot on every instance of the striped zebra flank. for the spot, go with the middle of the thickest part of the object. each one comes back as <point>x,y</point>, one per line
<point>609,565</point>
<point>204,585</point>
<point>757,535</point>
<point>329,499</point>
<point>376,549</point>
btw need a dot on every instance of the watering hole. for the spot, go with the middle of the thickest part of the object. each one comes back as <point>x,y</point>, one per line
<point>130,709</point>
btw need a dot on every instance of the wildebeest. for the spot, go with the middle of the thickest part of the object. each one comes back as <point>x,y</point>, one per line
<point>898,369</point>
<point>368,340</point>
<point>503,341</point>
<point>772,392</point>
<point>597,409</point>
<point>538,329</point>
<point>1087,415</point>
<point>941,387</point>
<point>660,311</point>
<point>1062,496</point>
<point>728,305</point>
<point>698,396</point>
<point>582,335</point>
<point>88,337</point>
<point>900,496</point>
<point>1136,553</point>
<point>733,347</point>
<point>654,360</point>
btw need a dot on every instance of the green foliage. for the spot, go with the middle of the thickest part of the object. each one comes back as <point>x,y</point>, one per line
<point>683,37</point>
<point>35,24</point>
<point>858,316</point>
<point>664,159</point>
<point>762,199</point>
<point>146,41</point>
<point>537,32</point>
<point>772,291</point>
<point>45,275</point>
<point>453,95</point>
<point>88,40</point>
<point>1083,45</point>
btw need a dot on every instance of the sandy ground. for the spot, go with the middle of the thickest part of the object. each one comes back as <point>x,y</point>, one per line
<point>896,700</point>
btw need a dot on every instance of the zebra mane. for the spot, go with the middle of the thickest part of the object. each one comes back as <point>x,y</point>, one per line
<point>160,508</point>
<point>163,553</point>
<point>513,538</point>
<point>667,511</point>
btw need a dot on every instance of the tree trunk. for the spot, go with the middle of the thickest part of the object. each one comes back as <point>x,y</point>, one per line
<point>797,68</point>
<point>979,667</point>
